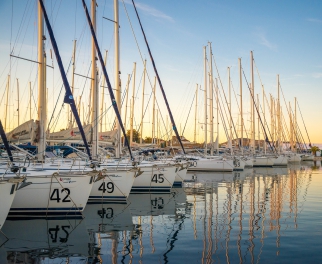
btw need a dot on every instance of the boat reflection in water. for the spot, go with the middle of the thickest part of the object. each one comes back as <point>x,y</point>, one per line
<point>133,241</point>
<point>247,212</point>
<point>44,241</point>
<point>257,215</point>
<point>217,177</point>
<point>271,171</point>
<point>104,221</point>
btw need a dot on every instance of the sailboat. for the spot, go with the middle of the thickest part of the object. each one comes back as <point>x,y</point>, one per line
<point>212,162</point>
<point>56,189</point>
<point>113,185</point>
<point>150,177</point>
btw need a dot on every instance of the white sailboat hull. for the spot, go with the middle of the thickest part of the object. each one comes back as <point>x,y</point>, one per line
<point>156,179</point>
<point>262,162</point>
<point>249,162</point>
<point>7,194</point>
<point>48,195</point>
<point>294,158</point>
<point>280,160</point>
<point>180,177</point>
<point>211,165</point>
<point>307,157</point>
<point>115,187</point>
<point>239,164</point>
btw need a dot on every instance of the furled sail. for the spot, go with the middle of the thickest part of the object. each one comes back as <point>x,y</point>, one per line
<point>26,132</point>
<point>71,135</point>
<point>108,136</point>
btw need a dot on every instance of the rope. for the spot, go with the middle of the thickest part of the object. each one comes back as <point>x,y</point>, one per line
<point>148,76</point>
<point>264,96</point>
<point>222,88</point>
<point>289,111</point>
<point>266,138</point>
<point>159,81</point>
<point>53,113</point>
<point>188,115</point>
<point>56,174</point>
<point>304,125</point>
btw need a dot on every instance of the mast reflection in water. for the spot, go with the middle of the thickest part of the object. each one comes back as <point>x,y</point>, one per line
<point>265,215</point>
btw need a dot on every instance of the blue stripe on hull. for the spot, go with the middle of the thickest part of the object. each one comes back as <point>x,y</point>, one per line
<point>177,184</point>
<point>107,199</point>
<point>53,214</point>
<point>46,210</point>
<point>147,189</point>
<point>100,201</point>
<point>51,217</point>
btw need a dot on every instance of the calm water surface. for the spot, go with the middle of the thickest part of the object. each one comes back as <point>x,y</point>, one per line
<point>265,215</point>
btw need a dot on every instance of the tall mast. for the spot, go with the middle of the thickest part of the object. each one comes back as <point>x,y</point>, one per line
<point>264,114</point>
<point>105,118</point>
<point>278,115</point>
<point>217,106</point>
<point>275,120</point>
<point>95,90</point>
<point>241,105</point>
<point>211,105</point>
<point>196,104</point>
<point>117,75</point>
<point>258,125</point>
<point>157,121</point>
<point>252,101</point>
<point>126,98</point>
<point>18,112</point>
<point>70,123</point>
<point>291,127</point>
<point>167,127</point>
<point>205,95</point>
<point>41,88</point>
<point>132,105</point>
<point>89,106</point>
<point>272,117</point>
<point>229,108</point>
<point>7,99</point>
<point>153,110</point>
<point>30,94</point>
<point>142,112</point>
<point>295,125</point>
<point>45,95</point>
<point>102,102</point>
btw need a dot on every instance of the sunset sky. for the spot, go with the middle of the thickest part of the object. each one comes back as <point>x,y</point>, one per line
<point>285,37</point>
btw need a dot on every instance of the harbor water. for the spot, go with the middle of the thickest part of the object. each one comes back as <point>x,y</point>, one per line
<point>262,215</point>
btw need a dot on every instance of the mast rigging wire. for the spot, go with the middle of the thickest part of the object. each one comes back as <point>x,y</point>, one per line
<point>310,145</point>
<point>290,112</point>
<point>222,88</point>
<point>137,44</point>
<point>68,97</point>
<point>266,138</point>
<point>106,78</point>
<point>159,81</point>
<point>188,116</point>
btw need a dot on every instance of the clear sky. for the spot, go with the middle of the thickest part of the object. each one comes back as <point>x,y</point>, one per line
<point>285,37</point>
